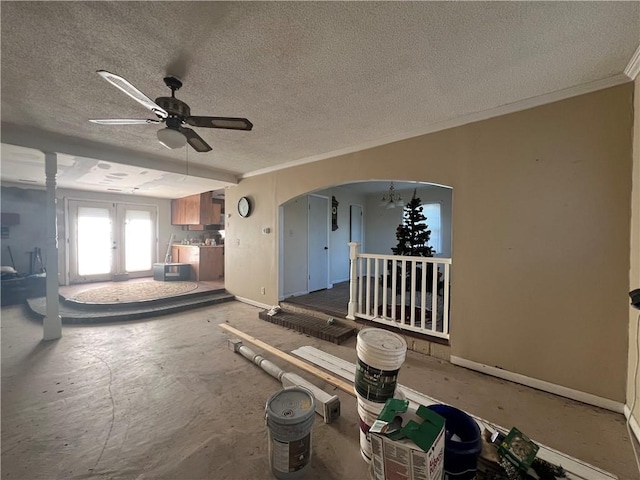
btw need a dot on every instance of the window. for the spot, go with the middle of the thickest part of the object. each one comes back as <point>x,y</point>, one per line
<point>432,212</point>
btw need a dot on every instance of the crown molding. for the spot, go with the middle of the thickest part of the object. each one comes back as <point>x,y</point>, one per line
<point>633,68</point>
<point>457,122</point>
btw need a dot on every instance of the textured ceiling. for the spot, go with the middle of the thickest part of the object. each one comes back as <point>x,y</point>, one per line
<point>313,77</point>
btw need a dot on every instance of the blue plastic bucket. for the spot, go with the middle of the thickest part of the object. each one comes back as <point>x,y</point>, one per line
<point>460,453</point>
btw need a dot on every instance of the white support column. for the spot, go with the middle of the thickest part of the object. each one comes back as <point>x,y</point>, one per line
<point>353,280</point>
<point>52,324</point>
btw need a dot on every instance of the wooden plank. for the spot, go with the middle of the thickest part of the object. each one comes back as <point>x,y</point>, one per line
<point>330,379</point>
<point>575,468</point>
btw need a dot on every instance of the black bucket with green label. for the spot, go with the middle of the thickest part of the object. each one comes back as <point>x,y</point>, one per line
<point>290,414</point>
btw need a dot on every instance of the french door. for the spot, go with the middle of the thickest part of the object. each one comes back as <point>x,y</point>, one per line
<point>107,239</point>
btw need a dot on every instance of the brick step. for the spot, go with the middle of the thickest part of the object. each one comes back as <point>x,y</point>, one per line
<point>310,325</point>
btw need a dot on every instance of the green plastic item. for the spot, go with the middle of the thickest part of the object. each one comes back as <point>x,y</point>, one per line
<point>385,421</point>
<point>518,449</point>
<point>422,434</point>
<point>425,433</point>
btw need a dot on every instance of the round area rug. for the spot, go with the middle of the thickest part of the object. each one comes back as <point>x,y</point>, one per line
<point>133,292</point>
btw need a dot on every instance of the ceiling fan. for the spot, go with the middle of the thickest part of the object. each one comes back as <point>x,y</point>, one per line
<point>173,113</point>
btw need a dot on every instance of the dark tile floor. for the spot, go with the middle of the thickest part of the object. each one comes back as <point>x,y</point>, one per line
<point>332,301</point>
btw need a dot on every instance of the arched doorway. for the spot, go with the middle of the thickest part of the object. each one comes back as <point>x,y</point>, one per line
<point>376,228</point>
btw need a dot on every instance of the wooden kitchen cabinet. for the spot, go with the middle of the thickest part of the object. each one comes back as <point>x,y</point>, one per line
<point>199,209</point>
<point>175,255</point>
<point>207,262</point>
<point>211,263</point>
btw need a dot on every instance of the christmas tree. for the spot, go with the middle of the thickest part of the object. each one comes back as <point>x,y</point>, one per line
<point>413,233</point>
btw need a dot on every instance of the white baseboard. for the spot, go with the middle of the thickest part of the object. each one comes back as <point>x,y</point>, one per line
<point>253,302</point>
<point>583,397</point>
<point>633,423</point>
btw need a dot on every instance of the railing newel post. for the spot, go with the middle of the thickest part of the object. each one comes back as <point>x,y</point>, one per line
<point>353,256</point>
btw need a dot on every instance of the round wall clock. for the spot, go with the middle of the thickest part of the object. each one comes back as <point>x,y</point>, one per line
<point>244,207</point>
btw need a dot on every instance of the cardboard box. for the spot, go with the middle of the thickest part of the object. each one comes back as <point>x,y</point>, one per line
<point>412,449</point>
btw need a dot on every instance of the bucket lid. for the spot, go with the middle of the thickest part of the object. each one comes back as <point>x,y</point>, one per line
<point>382,340</point>
<point>290,406</point>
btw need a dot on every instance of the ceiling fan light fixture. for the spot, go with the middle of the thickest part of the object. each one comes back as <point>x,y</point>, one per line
<point>171,138</point>
<point>173,113</point>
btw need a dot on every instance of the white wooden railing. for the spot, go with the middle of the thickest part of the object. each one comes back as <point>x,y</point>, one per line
<point>400,291</point>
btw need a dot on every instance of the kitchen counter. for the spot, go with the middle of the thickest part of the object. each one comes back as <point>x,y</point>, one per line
<point>202,245</point>
<point>207,261</point>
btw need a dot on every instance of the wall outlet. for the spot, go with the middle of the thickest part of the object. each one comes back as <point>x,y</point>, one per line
<point>263,290</point>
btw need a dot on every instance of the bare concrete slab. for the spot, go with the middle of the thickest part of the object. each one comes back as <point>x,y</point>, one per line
<point>164,398</point>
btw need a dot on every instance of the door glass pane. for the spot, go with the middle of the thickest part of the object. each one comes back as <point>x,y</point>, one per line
<point>94,241</point>
<point>138,240</point>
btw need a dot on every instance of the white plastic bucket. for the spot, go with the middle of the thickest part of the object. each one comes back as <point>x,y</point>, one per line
<point>380,355</point>
<point>290,414</point>
<point>365,446</point>
<point>368,413</point>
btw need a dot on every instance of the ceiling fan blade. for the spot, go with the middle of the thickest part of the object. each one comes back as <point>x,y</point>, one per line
<point>195,140</point>
<point>124,121</point>
<point>122,84</point>
<point>220,122</point>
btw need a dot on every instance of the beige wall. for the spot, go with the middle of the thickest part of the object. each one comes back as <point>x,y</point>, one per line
<point>634,272</point>
<point>540,234</point>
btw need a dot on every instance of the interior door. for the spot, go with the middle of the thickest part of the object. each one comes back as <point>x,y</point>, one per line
<point>110,238</point>
<point>318,241</point>
<point>356,222</point>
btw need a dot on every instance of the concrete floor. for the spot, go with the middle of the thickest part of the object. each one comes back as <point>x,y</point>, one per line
<point>165,399</point>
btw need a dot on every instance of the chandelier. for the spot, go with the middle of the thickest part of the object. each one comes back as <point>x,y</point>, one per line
<point>391,199</point>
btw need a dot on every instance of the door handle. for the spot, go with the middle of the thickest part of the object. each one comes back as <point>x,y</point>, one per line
<point>326,248</point>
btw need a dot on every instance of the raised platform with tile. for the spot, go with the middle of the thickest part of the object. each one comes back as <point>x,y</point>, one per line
<point>114,310</point>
